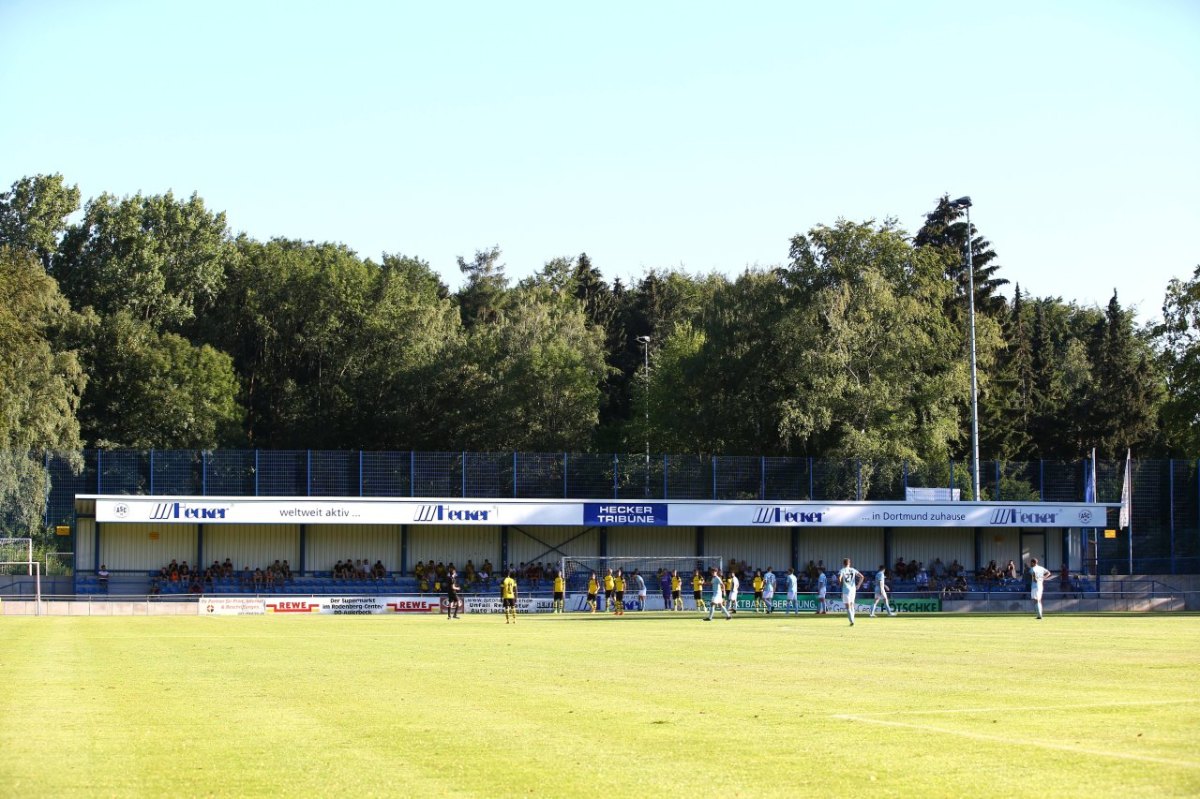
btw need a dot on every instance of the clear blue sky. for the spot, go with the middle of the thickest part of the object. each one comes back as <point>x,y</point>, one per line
<point>648,134</point>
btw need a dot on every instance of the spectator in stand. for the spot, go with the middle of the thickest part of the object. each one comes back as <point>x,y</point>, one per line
<point>419,570</point>
<point>470,572</point>
<point>378,571</point>
<point>955,569</point>
<point>900,569</point>
<point>102,578</point>
<point>155,587</point>
<point>938,569</point>
<point>1010,572</point>
<point>227,568</point>
<point>259,579</point>
<point>247,581</point>
<point>485,575</point>
<point>364,569</point>
<point>1064,579</point>
<point>196,588</point>
<point>185,573</point>
<point>287,571</point>
<point>922,579</point>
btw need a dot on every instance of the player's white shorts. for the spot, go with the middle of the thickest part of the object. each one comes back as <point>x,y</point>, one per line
<point>1035,592</point>
<point>881,593</point>
<point>848,597</point>
<point>791,596</point>
<point>768,594</point>
<point>821,594</point>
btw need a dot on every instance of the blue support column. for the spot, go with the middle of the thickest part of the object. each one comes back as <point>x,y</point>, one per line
<point>889,535</point>
<point>302,565</point>
<point>795,561</point>
<point>700,542</point>
<point>403,549</point>
<point>96,548</point>
<point>46,504</point>
<point>978,549</point>
<point>199,546</point>
<point>1171,483</point>
<point>504,546</point>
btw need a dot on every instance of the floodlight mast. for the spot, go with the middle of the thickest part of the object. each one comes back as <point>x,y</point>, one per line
<point>965,204</point>
<point>645,342</point>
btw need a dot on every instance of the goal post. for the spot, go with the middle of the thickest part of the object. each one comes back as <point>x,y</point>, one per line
<point>16,560</point>
<point>578,569</point>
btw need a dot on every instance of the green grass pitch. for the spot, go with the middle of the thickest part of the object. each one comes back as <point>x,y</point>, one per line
<point>653,704</point>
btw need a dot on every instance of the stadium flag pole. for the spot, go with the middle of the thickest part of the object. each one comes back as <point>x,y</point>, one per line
<point>1126,520</point>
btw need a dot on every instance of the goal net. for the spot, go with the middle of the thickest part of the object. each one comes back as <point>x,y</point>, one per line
<point>19,572</point>
<point>651,568</point>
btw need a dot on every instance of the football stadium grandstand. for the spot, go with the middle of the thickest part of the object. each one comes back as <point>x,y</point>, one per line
<point>366,523</point>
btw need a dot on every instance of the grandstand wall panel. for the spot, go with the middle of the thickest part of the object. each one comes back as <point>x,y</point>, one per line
<point>85,543</point>
<point>1001,546</point>
<point>328,543</point>
<point>451,544</point>
<point>760,547</point>
<point>863,545</point>
<point>645,541</point>
<point>531,544</point>
<point>253,545</point>
<point>145,546</point>
<point>928,544</point>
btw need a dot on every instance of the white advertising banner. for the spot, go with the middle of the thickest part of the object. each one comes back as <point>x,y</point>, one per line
<point>497,512</point>
<point>492,604</point>
<point>232,606</point>
<point>354,605</point>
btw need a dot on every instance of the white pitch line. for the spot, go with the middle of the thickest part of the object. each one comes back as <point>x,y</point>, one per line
<point>1010,708</point>
<point>977,736</point>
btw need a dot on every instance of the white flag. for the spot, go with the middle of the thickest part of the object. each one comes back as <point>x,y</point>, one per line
<point>1126,490</point>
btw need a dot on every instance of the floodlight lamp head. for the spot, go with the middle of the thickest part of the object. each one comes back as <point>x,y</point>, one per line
<point>962,202</point>
<point>643,339</point>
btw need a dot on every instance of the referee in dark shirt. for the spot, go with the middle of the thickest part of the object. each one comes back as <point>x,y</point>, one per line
<point>452,595</point>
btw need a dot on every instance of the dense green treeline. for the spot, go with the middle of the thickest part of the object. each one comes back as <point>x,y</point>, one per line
<point>143,322</point>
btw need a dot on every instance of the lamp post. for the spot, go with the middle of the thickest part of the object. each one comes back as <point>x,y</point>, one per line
<point>645,342</point>
<point>965,204</point>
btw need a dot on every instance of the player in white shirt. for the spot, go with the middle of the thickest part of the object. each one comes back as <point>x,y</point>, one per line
<point>793,585</point>
<point>851,580</point>
<point>734,583</point>
<point>1038,575</point>
<point>822,587</point>
<point>881,592</point>
<point>640,584</point>
<point>718,596</point>
<point>769,588</point>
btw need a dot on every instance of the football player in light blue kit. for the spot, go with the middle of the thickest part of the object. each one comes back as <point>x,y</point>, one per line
<point>851,580</point>
<point>793,601</point>
<point>1038,575</point>
<point>881,592</point>
<point>822,587</point>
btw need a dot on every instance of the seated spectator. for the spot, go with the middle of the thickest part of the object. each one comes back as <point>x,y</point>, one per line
<point>227,568</point>
<point>1010,571</point>
<point>485,576</point>
<point>102,577</point>
<point>900,569</point>
<point>247,581</point>
<point>155,587</point>
<point>337,571</point>
<point>364,569</point>
<point>419,570</point>
<point>955,569</point>
<point>286,571</point>
<point>259,579</point>
<point>470,572</point>
<point>184,571</point>
<point>938,569</point>
<point>195,587</point>
<point>922,577</point>
<point>378,571</point>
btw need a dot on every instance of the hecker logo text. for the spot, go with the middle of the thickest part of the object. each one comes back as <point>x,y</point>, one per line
<point>786,516</point>
<point>165,511</point>
<point>445,513</point>
<point>1015,516</point>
